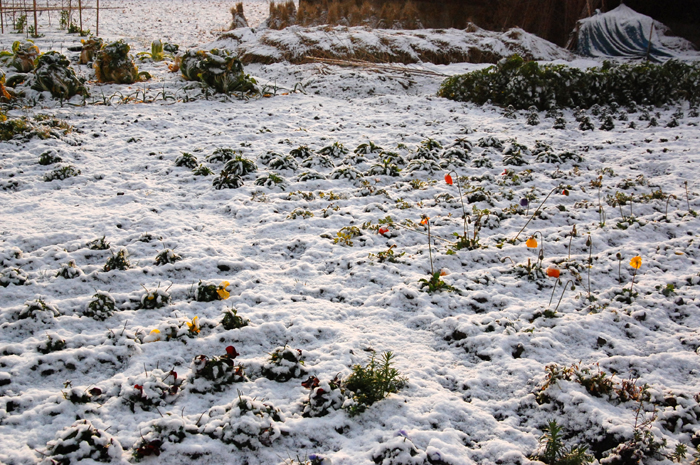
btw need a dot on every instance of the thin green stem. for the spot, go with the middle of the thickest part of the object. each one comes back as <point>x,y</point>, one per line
<point>562,294</point>
<point>535,213</point>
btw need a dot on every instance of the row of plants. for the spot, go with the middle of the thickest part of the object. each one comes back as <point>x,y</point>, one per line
<point>513,81</point>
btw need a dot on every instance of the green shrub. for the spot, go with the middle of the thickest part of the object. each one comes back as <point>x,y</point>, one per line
<point>89,50</point>
<point>373,382</point>
<point>523,84</point>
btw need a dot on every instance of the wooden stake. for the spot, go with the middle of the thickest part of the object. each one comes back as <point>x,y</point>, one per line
<point>80,9</point>
<point>97,28</point>
<point>2,19</point>
<point>36,30</point>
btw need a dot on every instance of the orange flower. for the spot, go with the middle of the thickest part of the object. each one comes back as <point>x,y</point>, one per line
<point>424,221</point>
<point>553,271</point>
<point>448,179</point>
<point>531,243</point>
<point>636,262</point>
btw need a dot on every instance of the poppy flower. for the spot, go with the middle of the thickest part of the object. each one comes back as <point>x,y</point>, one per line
<point>383,230</point>
<point>424,221</point>
<point>553,271</point>
<point>221,290</point>
<point>448,179</point>
<point>565,192</point>
<point>636,262</point>
<point>531,243</point>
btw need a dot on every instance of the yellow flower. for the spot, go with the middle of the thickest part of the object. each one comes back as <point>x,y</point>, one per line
<point>153,336</point>
<point>636,262</point>
<point>194,326</point>
<point>531,243</point>
<point>223,293</point>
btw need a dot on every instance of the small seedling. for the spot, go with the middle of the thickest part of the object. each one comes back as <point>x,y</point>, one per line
<point>167,256</point>
<point>98,244</point>
<point>435,284</point>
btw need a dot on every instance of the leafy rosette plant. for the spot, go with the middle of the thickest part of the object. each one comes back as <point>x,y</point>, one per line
<point>284,364</point>
<point>246,423</point>
<point>151,389</point>
<point>114,64</point>
<point>169,429</point>
<point>210,292</point>
<point>54,74</point>
<point>82,441</point>
<point>215,373</point>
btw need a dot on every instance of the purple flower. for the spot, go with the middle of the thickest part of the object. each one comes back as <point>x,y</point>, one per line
<point>524,202</point>
<point>402,432</point>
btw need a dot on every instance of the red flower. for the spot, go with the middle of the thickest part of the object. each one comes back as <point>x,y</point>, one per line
<point>383,230</point>
<point>310,383</point>
<point>565,192</point>
<point>448,179</point>
<point>505,172</point>
<point>231,352</point>
<point>138,386</point>
<point>553,272</point>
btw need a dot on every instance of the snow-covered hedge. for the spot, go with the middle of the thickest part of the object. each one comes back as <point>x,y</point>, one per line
<point>523,84</point>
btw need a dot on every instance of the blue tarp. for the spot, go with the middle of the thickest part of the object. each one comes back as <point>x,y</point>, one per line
<point>623,32</point>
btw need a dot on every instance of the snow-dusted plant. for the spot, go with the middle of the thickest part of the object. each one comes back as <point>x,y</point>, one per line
<point>324,396</point>
<point>98,244</point>
<point>167,256</point>
<point>53,343</point>
<point>49,158</point>
<point>186,160</point>
<point>303,151</point>
<point>345,172</point>
<point>245,423</point>
<point>422,164</point>
<point>114,64</point>
<point>284,364</point>
<point>15,276</point>
<point>101,307</point>
<point>155,299</point>
<point>82,441</point>
<point>169,429</point>
<point>335,150</point>
<point>223,155</point>
<point>90,47</point>
<point>240,166</point>
<point>54,74</point>
<point>399,450</point>
<point>62,173</point>
<point>271,180</point>
<point>38,309</point>
<point>232,320</point>
<point>69,270</point>
<point>208,292</point>
<point>368,147</point>
<point>217,68</point>
<point>151,389</point>
<point>310,176</point>
<point>283,162</point>
<point>490,141</point>
<point>118,261</point>
<point>227,180</point>
<point>385,167</point>
<point>316,160</point>
<point>215,373</point>
<point>24,55</point>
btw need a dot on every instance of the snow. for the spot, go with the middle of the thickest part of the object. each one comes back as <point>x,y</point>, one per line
<point>469,398</point>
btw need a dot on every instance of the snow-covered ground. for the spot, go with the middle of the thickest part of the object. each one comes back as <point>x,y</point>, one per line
<point>474,358</point>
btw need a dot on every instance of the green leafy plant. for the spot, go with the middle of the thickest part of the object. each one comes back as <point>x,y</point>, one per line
<point>15,276</point>
<point>38,309</point>
<point>98,244</point>
<point>186,160</point>
<point>49,158</point>
<point>387,255</point>
<point>155,299</point>
<point>232,320</point>
<point>62,173</point>
<point>156,53</point>
<point>52,344</point>
<point>118,261</point>
<point>167,256</point>
<point>373,382</point>
<point>271,180</point>
<point>211,292</point>
<point>202,170</point>
<point>20,23</point>
<point>435,284</point>
<point>101,307</point>
<point>324,396</point>
<point>227,180</point>
<point>346,234</point>
<point>299,213</point>
<point>335,150</point>
<point>81,441</point>
<point>367,147</point>
<point>554,452</point>
<point>69,270</point>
